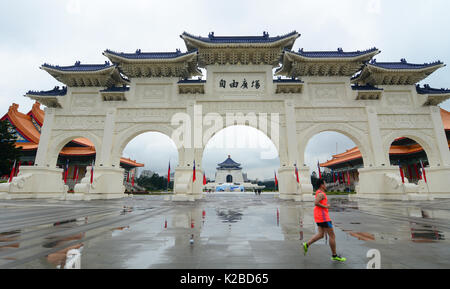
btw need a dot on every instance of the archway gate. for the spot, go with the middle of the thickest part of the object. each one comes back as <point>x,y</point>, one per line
<point>368,101</point>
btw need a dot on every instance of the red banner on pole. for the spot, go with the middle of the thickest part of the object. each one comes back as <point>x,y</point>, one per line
<point>92,173</point>
<point>296,174</point>
<point>402,174</point>
<point>168,175</point>
<point>423,172</point>
<point>194,177</point>
<point>13,170</point>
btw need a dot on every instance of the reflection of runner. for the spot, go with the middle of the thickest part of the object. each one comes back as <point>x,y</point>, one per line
<point>325,226</point>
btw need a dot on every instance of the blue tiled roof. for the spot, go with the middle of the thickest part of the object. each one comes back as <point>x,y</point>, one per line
<point>116,89</point>
<point>192,81</point>
<point>229,163</point>
<point>365,87</point>
<point>265,38</point>
<point>57,91</point>
<point>403,64</point>
<point>78,67</point>
<point>149,55</point>
<point>339,53</point>
<point>428,90</point>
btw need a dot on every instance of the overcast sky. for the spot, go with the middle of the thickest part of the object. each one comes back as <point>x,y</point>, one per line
<point>64,31</point>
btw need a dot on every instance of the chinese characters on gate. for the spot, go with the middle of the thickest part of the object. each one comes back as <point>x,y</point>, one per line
<point>255,84</point>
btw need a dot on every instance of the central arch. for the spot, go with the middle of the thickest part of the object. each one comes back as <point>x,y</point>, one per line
<point>255,145</point>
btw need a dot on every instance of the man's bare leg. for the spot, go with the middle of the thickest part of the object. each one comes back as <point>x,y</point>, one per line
<point>316,237</point>
<point>332,240</point>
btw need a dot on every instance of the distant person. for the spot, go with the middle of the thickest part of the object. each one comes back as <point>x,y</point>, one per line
<point>325,226</point>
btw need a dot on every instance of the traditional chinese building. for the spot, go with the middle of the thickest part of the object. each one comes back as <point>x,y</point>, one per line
<point>404,152</point>
<point>78,153</point>
<point>229,177</point>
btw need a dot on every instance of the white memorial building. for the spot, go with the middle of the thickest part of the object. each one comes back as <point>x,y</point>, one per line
<point>229,178</point>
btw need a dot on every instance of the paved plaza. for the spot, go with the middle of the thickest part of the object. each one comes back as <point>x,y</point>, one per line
<point>234,231</point>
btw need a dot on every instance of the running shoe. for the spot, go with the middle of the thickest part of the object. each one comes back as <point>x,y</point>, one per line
<point>338,259</point>
<point>305,248</point>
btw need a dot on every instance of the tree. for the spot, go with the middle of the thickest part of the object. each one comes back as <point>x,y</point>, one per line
<point>8,151</point>
<point>153,183</point>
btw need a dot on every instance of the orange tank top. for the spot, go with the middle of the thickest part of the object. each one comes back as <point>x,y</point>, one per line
<point>321,214</point>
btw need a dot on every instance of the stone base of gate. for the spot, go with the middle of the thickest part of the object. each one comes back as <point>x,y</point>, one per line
<point>107,184</point>
<point>185,190</point>
<point>305,191</point>
<point>287,183</point>
<point>290,189</point>
<point>35,183</point>
<point>385,183</point>
<point>438,179</point>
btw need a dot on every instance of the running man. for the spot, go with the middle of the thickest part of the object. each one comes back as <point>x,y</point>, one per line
<point>325,226</point>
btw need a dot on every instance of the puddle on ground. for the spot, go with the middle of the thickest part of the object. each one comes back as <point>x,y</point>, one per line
<point>425,233</point>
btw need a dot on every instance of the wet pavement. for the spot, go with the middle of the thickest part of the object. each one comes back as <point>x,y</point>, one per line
<point>239,231</point>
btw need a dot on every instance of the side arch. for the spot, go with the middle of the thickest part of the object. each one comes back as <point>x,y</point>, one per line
<point>420,137</point>
<point>122,139</point>
<point>58,142</point>
<point>358,137</point>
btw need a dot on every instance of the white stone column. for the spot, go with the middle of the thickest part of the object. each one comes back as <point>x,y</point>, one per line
<point>379,156</point>
<point>184,188</point>
<point>289,156</point>
<point>440,137</point>
<point>108,135</point>
<point>438,174</point>
<point>42,154</point>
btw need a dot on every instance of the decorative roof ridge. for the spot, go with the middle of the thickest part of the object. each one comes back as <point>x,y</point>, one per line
<point>56,91</point>
<point>229,162</point>
<point>79,67</point>
<point>37,113</point>
<point>19,120</point>
<point>265,35</point>
<point>244,39</point>
<point>404,64</point>
<point>334,53</point>
<point>150,55</point>
<point>427,89</point>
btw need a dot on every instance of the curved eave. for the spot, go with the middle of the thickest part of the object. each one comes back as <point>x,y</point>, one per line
<point>355,63</point>
<point>47,100</point>
<point>54,70</point>
<point>106,76</point>
<point>293,56</point>
<point>435,98</point>
<point>431,69</point>
<point>193,42</point>
<point>118,58</point>
<point>370,69</point>
<point>131,163</point>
